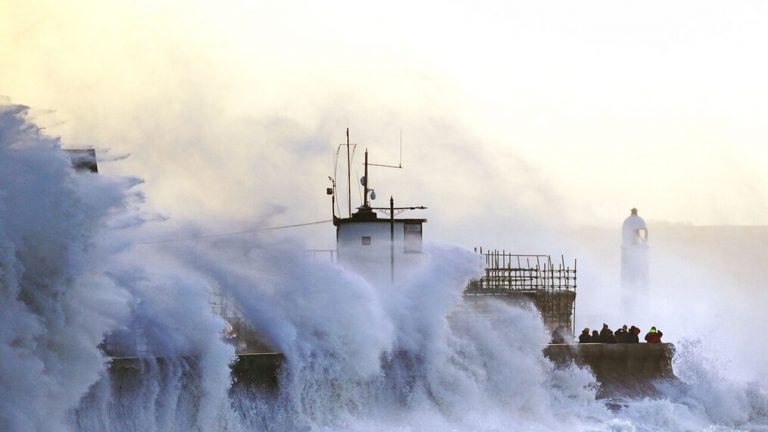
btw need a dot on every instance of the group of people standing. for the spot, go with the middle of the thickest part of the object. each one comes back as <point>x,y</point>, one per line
<point>622,335</point>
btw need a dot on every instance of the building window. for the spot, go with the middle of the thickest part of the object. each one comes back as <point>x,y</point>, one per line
<point>412,237</point>
<point>366,240</point>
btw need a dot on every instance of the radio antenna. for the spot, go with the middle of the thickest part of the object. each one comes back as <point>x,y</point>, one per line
<point>400,163</point>
<point>349,178</point>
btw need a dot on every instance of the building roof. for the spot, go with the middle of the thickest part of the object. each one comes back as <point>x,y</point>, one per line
<point>341,221</point>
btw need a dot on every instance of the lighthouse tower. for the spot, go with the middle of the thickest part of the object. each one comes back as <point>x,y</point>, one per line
<point>634,254</point>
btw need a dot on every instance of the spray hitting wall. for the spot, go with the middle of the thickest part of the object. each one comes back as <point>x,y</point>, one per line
<point>55,303</point>
<point>70,275</point>
<point>69,279</point>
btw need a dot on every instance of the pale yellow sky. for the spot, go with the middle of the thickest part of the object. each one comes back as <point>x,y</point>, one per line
<point>513,113</point>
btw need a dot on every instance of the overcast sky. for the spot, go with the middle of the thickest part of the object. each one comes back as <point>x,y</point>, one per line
<point>514,114</point>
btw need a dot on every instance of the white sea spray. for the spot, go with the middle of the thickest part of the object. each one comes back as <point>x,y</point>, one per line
<point>360,356</point>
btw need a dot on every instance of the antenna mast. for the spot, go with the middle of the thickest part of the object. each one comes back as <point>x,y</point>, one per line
<point>349,178</point>
<point>365,185</point>
<point>400,163</point>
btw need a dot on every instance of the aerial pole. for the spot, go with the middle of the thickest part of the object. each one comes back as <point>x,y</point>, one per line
<point>392,240</point>
<point>349,178</point>
<point>365,182</point>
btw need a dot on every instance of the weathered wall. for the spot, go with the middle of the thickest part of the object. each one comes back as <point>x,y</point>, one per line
<point>621,369</point>
<point>259,370</point>
<point>556,307</point>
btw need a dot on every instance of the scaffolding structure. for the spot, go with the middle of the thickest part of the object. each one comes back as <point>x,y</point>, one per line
<point>550,286</point>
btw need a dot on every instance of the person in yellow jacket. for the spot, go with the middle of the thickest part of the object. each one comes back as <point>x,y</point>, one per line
<point>654,336</point>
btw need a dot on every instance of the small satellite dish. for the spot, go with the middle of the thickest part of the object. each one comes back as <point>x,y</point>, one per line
<point>373,195</point>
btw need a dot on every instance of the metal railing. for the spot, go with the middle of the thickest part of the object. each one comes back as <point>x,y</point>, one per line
<point>505,272</point>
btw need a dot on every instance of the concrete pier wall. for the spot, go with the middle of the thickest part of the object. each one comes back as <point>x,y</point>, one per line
<point>257,370</point>
<point>621,369</point>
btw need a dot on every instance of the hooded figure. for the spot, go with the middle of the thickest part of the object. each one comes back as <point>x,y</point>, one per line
<point>606,335</point>
<point>633,335</point>
<point>621,334</point>
<point>584,337</point>
<point>595,337</point>
<point>653,336</point>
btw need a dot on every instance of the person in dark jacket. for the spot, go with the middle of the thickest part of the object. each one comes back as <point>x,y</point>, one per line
<point>595,337</point>
<point>584,337</point>
<point>653,336</point>
<point>621,334</point>
<point>606,335</point>
<point>633,335</point>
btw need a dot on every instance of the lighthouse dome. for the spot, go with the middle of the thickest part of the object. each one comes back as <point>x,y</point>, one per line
<point>634,230</point>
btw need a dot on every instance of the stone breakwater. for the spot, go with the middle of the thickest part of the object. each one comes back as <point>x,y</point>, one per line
<point>620,369</point>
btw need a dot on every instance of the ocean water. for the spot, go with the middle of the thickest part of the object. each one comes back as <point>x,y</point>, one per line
<point>409,357</point>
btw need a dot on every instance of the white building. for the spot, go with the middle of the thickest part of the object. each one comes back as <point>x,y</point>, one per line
<point>381,249</point>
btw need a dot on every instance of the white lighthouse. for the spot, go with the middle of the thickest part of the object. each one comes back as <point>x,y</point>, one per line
<point>634,254</point>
